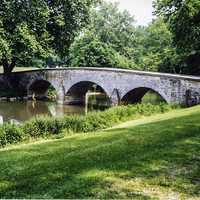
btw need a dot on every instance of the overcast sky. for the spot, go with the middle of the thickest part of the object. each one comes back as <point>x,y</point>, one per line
<point>141,9</point>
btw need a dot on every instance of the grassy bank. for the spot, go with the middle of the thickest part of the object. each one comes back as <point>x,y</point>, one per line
<point>152,158</point>
<point>44,127</point>
<point>19,69</point>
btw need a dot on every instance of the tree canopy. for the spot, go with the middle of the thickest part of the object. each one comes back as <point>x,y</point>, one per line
<point>38,29</point>
<point>71,32</point>
<point>113,40</point>
<point>106,41</point>
<point>184,20</point>
<point>183,17</point>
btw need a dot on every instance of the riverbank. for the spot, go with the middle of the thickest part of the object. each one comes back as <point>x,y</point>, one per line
<point>45,127</point>
<point>154,157</point>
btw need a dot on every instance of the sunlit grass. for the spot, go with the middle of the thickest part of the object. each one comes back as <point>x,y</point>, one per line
<point>19,69</point>
<point>155,159</point>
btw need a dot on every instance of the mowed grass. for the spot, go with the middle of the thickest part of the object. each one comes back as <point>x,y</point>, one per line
<point>152,158</point>
<point>19,69</point>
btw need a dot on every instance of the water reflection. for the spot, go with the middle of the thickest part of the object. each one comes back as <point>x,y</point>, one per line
<point>17,112</point>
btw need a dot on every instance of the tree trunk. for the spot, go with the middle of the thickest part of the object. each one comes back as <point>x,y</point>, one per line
<point>8,67</point>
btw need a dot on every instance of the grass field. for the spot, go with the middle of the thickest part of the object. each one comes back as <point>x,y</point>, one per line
<point>19,69</point>
<point>151,158</point>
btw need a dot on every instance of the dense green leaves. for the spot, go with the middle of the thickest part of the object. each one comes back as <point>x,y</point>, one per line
<point>153,46</point>
<point>32,29</point>
<point>112,40</point>
<point>35,32</point>
<point>89,51</point>
<point>107,41</point>
<point>168,44</point>
<point>183,17</point>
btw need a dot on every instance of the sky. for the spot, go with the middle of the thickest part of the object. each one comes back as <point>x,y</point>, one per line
<point>141,9</point>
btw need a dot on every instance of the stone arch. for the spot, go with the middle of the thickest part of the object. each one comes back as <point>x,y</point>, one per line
<point>39,88</point>
<point>75,94</point>
<point>135,95</point>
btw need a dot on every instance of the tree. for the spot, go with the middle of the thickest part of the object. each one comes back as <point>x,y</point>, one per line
<point>183,17</point>
<point>107,41</point>
<point>112,40</point>
<point>153,46</point>
<point>38,29</point>
<point>114,27</point>
<point>89,51</point>
<point>159,45</point>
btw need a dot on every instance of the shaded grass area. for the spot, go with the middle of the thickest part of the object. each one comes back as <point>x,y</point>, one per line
<point>159,159</point>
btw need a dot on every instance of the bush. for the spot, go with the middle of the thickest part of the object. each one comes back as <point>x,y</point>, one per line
<point>100,120</point>
<point>10,134</point>
<point>42,126</point>
<point>47,126</point>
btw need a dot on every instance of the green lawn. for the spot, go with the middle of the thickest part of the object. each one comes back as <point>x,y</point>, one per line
<point>19,69</point>
<point>151,158</point>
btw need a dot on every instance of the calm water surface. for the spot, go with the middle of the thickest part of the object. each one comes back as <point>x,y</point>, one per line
<point>18,112</point>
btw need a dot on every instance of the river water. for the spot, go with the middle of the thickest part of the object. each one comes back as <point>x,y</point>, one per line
<point>18,112</point>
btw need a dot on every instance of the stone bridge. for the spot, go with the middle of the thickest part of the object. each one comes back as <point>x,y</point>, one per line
<point>71,84</point>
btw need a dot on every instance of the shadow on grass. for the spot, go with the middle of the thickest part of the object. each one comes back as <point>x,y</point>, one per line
<point>163,154</point>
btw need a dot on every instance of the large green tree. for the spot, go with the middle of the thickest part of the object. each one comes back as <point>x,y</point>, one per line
<point>157,52</point>
<point>113,40</point>
<point>89,51</point>
<point>183,17</point>
<point>39,28</point>
<point>114,27</point>
<point>107,41</point>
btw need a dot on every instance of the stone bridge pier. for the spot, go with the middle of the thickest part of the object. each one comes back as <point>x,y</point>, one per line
<point>127,86</point>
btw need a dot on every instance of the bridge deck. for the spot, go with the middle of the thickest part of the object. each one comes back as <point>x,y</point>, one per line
<point>119,70</point>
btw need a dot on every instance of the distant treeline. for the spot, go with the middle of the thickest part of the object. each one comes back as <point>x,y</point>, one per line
<point>97,34</point>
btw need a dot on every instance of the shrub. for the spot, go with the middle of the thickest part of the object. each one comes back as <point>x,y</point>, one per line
<point>42,126</point>
<point>10,134</point>
<point>48,126</point>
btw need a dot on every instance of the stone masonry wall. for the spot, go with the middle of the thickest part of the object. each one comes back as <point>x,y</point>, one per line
<point>115,82</point>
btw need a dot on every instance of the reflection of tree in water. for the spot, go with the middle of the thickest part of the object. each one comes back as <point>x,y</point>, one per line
<point>60,110</point>
<point>13,110</point>
<point>35,108</point>
<point>23,111</point>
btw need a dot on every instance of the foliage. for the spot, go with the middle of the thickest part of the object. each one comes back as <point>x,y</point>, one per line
<point>41,126</point>
<point>107,41</point>
<point>114,27</point>
<point>10,134</point>
<point>183,17</point>
<point>89,51</point>
<point>154,50</point>
<point>39,29</point>
<point>112,40</point>
<point>46,126</point>
<point>152,158</point>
